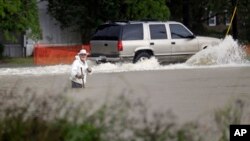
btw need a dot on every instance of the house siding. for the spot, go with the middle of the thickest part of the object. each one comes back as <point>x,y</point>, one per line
<point>51,34</point>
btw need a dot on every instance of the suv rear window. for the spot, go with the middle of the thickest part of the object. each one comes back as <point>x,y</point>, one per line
<point>107,32</point>
<point>132,32</point>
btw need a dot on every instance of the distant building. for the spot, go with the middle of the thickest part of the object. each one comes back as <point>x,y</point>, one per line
<point>51,34</point>
<point>219,22</point>
<point>51,31</point>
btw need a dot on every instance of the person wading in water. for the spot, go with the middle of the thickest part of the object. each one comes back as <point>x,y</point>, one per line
<point>79,70</point>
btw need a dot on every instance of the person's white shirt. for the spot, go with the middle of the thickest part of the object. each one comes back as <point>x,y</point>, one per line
<point>76,70</point>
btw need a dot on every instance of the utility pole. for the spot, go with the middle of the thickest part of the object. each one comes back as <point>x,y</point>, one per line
<point>234,24</point>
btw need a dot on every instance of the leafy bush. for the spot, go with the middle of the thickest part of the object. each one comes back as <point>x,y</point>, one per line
<point>58,117</point>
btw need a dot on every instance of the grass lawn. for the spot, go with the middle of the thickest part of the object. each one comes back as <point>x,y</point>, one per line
<point>17,61</point>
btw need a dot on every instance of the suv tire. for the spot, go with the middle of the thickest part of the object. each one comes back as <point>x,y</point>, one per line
<point>141,56</point>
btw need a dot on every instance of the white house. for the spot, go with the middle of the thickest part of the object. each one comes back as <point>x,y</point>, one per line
<point>52,34</point>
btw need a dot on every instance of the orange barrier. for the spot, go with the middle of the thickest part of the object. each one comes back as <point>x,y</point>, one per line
<point>56,54</point>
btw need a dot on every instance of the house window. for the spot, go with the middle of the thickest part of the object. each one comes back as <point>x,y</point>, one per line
<point>212,20</point>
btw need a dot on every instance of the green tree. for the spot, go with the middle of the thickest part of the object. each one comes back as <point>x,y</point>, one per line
<point>146,9</point>
<point>241,27</point>
<point>244,20</point>
<point>198,14</point>
<point>17,16</point>
<point>86,15</point>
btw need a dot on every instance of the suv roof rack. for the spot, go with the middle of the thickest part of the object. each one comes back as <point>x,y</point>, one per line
<point>118,21</point>
<point>132,21</point>
<point>150,20</point>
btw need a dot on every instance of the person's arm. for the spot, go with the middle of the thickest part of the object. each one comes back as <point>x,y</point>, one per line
<point>89,69</point>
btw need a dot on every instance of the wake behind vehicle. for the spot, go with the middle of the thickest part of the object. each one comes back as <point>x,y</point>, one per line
<point>139,40</point>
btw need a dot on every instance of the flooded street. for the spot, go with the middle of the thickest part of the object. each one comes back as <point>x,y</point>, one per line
<point>193,90</point>
<point>188,93</point>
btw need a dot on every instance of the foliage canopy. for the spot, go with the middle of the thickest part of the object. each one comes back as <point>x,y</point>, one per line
<point>199,13</point>
<point>86,15</point>
<point>18,16</point>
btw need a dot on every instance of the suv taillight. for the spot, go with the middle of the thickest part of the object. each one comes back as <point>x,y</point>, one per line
<point>119,46</point>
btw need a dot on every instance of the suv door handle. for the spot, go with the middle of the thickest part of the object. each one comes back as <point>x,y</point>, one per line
<point>152,43</point>
<point>105,44</point>
<point>173,43</point>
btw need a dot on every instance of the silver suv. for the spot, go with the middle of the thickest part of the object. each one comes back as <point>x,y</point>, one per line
<point>139,40</point>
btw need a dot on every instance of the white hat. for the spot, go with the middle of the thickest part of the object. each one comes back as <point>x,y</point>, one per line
<point>83,51</point>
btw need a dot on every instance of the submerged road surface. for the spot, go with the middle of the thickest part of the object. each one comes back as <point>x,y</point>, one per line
<point>189,93</point>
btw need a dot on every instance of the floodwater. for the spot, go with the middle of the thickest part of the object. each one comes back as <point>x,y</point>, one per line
<point>207,81</point>
<point>227,54</point>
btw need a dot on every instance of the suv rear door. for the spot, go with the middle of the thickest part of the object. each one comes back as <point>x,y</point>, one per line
<point>105,40</point>
<point>132,38</point>
<point>159,41</point>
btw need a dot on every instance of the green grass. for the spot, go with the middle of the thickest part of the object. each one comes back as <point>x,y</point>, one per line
<point>17,61</point>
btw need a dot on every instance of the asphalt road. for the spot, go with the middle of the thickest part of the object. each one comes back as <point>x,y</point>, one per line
<point>190,94</point>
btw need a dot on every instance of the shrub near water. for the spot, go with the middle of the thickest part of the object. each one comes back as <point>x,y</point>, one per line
<point>32,117</point>
<point>58,117</point>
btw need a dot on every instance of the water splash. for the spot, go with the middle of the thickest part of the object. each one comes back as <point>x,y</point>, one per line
<point>151,64</point>
<point>39,70</point>
<point>228,51</point>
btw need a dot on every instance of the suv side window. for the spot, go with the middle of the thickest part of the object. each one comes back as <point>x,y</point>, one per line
<point>107,32</point>
<point>158,31</point>
<point>178,31</point>
<point>132,32</point>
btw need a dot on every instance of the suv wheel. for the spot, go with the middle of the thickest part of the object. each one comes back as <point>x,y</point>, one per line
<point>141,56</point>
